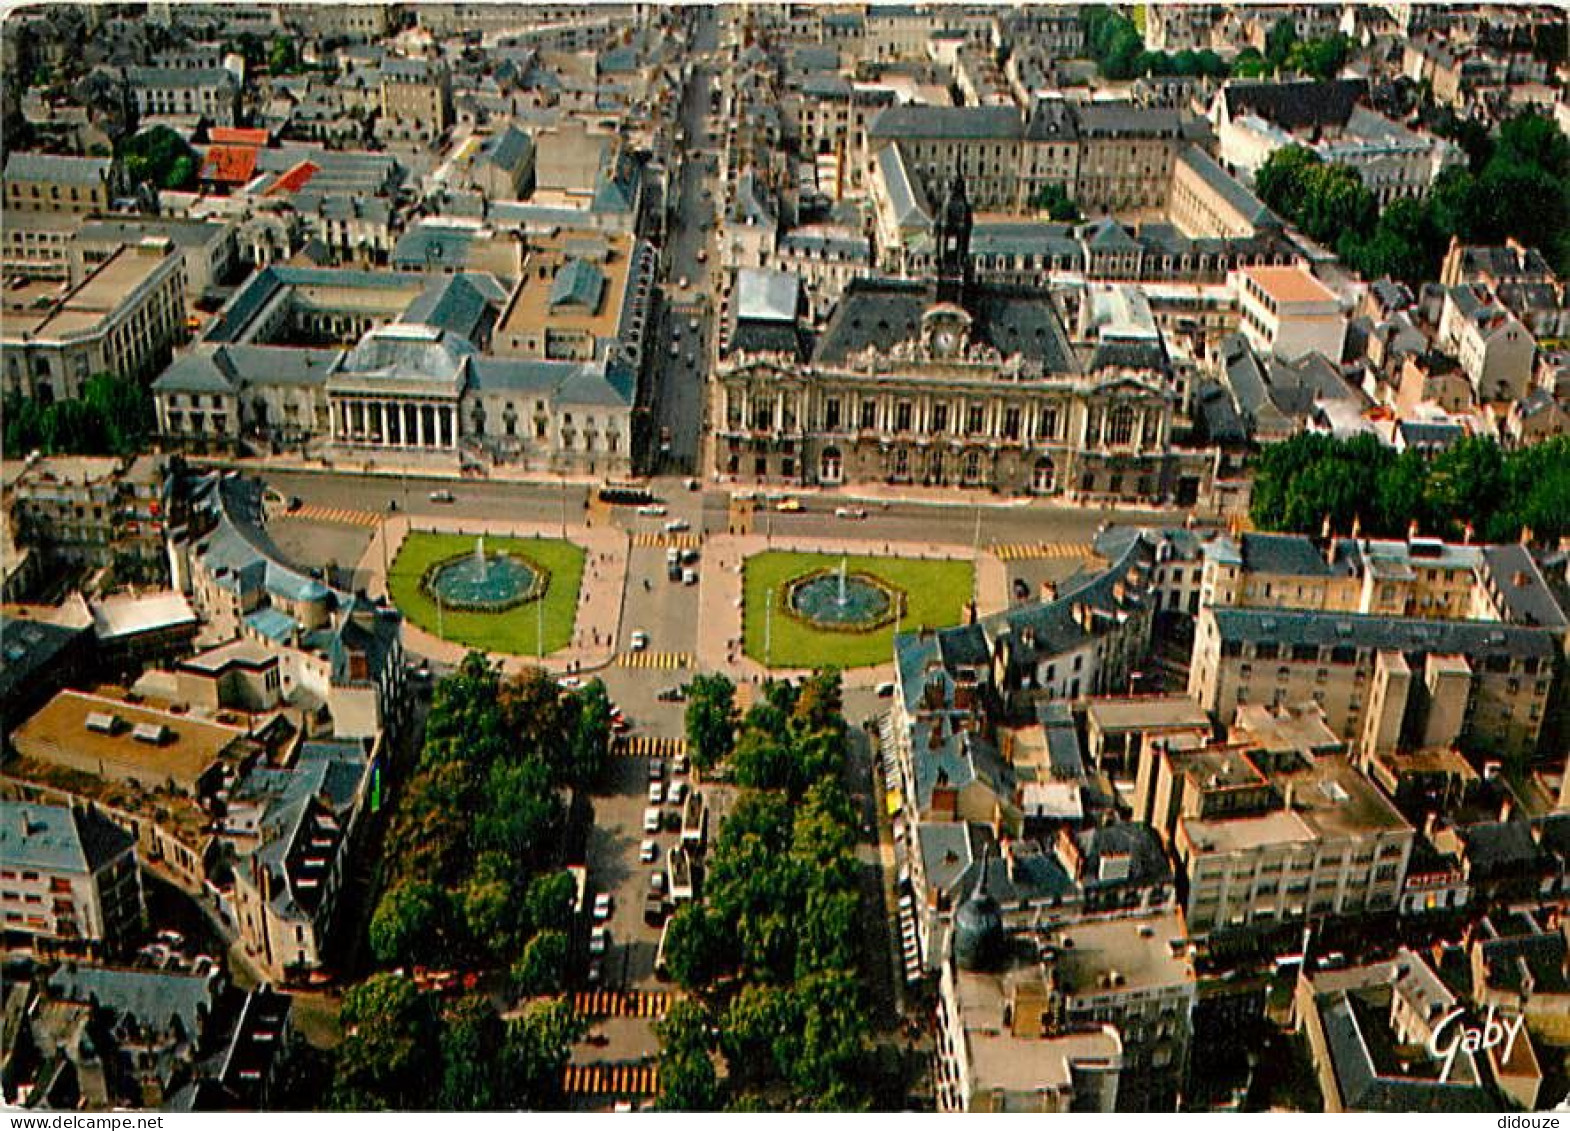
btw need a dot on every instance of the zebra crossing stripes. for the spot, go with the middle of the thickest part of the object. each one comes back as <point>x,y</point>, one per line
<point>688,541</point>
<point>610,1079</point>
<point>654,660</point>
<point>343,515</point>
<point>649,746</point>
<point>1026,551</point>
<point>615,1003</point>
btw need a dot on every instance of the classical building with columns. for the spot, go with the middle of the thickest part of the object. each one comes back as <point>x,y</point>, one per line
<point>415,377</point>
<point>954,383</point>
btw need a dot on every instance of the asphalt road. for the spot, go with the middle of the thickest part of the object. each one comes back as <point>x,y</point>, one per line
<point>951,521</point>
<point>681,345</point>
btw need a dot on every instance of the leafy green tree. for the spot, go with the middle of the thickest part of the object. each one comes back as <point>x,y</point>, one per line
<point>1279,41</point>
<point>1281,180</point>
<point>493,916</point>
<point>698,948</point>
<point>536,1049</point>
<point>711,719</point>
<point>1319,58</point>
<point>160,157</point>
<point>542,967</point>
<point>1250,64</point>
<point>688,1081</point>
<point>523,817</point>
<point>1053,200</point>
<point>471,1038</point>
<point>591,736</point>
<point>282,57</point>
<point>384,1061</point>
<point>549,900</point>
<point>407,925</point>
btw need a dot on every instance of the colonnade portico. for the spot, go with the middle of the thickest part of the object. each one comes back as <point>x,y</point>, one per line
<point>394,423</point>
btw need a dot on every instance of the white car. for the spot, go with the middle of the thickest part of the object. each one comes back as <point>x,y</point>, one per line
<point>640,640</point>
<point>656,792</point>
<point>678,792</point>
<point>648,852</point>
<point>693,325</point>
<point>651,820</point>
<point>850,512</point>
<point>682,282</point>
<point>689,577</point>
<point>656,769</point>
<point>677,525</point>
<point>602,907</point>
<point>652,510</point>
<point>569,682</point>
<point>599,940</point>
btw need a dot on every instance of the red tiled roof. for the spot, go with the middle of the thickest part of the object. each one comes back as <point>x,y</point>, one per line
<point>294,180</point>
<point>229,164</point>
<point>233,135</point>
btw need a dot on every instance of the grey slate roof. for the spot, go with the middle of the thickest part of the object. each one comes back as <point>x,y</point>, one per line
<point>1148,863</point>
<point>1469,638</point>
<point>974,123</point>
<point>154,1000</point>
<point>907,198</point>
<point>580,283</point>
<point>54,838</point>
<point>1531,601</point>
<point>464,305</point>
<point>1296,105</point>
<point>84,171</point>
<point>768,296</point>
<point>507,149</point>
<point>26,648</point>
<point>1228,187</point>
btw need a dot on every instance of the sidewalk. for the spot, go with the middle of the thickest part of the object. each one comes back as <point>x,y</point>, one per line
<point>600,593</point>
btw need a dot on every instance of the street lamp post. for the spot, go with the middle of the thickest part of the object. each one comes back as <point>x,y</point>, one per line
<point>563,477</point>
<point>441,628</point>
<point>539,629</point>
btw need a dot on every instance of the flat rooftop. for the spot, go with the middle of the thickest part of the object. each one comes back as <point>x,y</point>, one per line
<point>46,310</point>
<point>1146,713</point>
<point>538,305</point>
<point>59,735</point>
<point>1020,1063</point>
<point>1290,284</point>
<point>1145,954</point>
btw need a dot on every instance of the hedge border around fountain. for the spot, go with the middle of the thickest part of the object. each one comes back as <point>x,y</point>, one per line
<point>895,608</point>
<point>535,592</point>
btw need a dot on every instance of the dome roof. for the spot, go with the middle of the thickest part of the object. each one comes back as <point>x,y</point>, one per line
<point>978,932</point>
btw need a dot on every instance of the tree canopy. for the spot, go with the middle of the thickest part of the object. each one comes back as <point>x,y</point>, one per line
<point>773,947</point>
<point>159,156</point>
<point>1115,43</point>
<point>1518,190</point>
<point>114,416</point>
<point>1304,480</point>
<point>473,879</point>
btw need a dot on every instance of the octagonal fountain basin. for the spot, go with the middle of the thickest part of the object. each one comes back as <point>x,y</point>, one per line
<point>841,600</point>
<point>484,582</point>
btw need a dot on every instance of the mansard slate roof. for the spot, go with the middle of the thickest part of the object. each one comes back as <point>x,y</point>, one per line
<point>955,122</point>
<point>1296,105</point>
<point>1469,638</point>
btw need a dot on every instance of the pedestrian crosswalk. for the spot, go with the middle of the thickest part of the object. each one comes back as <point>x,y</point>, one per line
<point>654,660</point>
<point>610,1079</point>
<point>1025,551</point>
<point>685,541</point>
<point>648,746</point>
<point>345,515</point>
<point>615,1003</point>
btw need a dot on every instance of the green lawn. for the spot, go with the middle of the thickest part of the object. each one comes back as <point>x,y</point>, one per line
<point>516,630</point>
<point>935,595</point>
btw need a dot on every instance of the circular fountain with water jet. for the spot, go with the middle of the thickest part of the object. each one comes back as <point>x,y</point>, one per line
<point>840,600</point>
<point>485,583</point>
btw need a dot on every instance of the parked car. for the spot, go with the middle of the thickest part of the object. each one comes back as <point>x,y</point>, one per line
<point>656,792</point>
<point>677,525</point>
<point>602,907</point>
<point>657,882</point>
<point>648,852</point>
<point>885,690</point>
<point>569,682</point>
<point>656,769</point>
<point>678,792</point>
<point>640,640</point>
<point>689,577</point>
<point>679,764</point>
<point>675,694</point>
<point>599,940</point>
<point>652,510</point>
<point>789,506</point>
<point>850,512</point>
<point>651,820</point>
<point>596,973</point>
<point>442,497</point>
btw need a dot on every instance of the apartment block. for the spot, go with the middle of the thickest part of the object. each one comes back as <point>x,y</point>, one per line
<point>1288,313</point>
<point>68,879</point>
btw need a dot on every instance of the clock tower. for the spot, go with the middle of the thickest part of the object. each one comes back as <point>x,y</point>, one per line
<point>953,240</point>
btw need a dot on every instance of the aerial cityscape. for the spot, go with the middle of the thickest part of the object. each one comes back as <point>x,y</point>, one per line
<point>785,557</point>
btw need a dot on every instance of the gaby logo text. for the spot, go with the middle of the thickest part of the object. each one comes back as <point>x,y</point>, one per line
<point>1450,1037</point>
